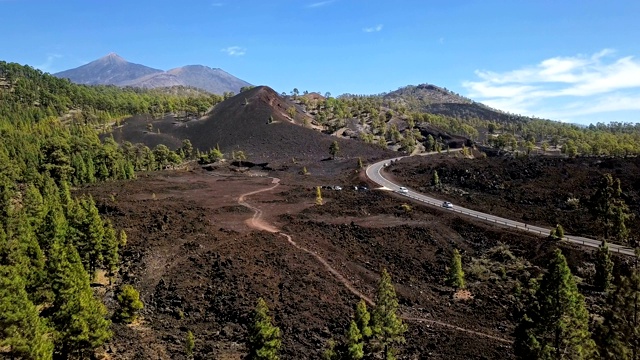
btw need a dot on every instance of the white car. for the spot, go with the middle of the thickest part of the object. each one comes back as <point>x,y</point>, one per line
<point>403,190</point>
<point>447,205</point>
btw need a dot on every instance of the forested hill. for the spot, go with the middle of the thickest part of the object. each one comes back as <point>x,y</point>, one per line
<point>29,94</point>
<point>437,100</point>
<point>53,245</point>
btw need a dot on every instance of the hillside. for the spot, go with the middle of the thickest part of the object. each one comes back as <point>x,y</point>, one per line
<point>114,70</point>
<point>242,123</point>
<point>437,100</point>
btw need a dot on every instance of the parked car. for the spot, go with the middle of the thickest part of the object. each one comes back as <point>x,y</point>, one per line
<point>403,190</point>
<point>447,205</point>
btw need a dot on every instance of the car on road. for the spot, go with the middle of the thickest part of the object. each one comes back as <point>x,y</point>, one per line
<point>447,205</point>
<point>403,190</point>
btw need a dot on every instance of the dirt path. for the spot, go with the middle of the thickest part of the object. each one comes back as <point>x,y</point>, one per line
<point>257,223</point>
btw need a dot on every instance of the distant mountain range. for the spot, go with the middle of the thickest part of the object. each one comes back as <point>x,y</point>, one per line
<point>114,70</point>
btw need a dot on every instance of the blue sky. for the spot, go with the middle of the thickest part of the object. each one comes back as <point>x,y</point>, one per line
<point>566,60</point>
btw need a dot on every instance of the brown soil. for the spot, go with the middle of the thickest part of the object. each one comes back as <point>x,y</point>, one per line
<point>200,263</point>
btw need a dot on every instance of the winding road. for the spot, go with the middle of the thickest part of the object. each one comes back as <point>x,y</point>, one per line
<point>256,222</point>
<point>375,173</point>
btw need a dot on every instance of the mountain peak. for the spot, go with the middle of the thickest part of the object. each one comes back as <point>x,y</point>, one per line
<point>113,57</point>
<point>112,69</point>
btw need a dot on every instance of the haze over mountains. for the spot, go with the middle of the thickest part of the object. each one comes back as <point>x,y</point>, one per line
<point>114,70</point>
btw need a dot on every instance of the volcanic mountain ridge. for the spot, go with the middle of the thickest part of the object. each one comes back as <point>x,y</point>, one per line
<point>114,70</point>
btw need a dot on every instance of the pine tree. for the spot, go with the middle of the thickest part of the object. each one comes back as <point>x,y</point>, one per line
<point>23,252</point>
<point>456,274</point>
<point>436,179</point>
<point>604,267</point>
<point>34,206</point>
<point>264,338</point>
<point>122,238</point>
<point>318,196</point>
<point>355,345</point>
<point>189,344</point>
<point>557,233</point>
<point>78,317</point>
<point>609,208</point>
<point>53,228</point>
<point>362,319</point>
<point>431,142</point>
<point>21,329</point>
<point>90,244</point>
<point>619,335</point>
<point>130,304</point>
<point>331,352</point>
<point>556,323</point>
<point>334,149</point>
<point>387,326</point>
<point>110,248</point>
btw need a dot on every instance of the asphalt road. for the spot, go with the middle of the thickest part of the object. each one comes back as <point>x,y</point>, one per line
<point>375,173</point>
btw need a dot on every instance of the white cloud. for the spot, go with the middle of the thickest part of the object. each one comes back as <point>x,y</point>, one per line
<point>320,3</point>
<point>565,88</point>
<point>373,29</point>
<point>234,51</point>
<point>48,64</point>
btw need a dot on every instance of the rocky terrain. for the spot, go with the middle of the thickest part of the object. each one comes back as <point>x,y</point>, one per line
<point>200,264</point>
<point>538,189</point>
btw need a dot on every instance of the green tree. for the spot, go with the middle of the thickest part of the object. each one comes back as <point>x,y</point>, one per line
<point>544,146</point>
<point>189,344</point>
<point>240,155</point>
<point>22,331</point>
<point>161,154</point>
<point>110,248</point>
<point>604,267</point>
<point>291,111</point>
<point>609,209</point>
<point>530,146</point>
<point>619,335</point>
<point>556,321</point>
<point>78,317</point>
<point>334,149</point>
<point>431,143</point>
<point>456,274</point>
<point>355,345</point>
<point>264,338</point>
<point>436,179</point>
<point>331,352</point>
<point>90,235</point>
<point>362,318</point>
<point>557,233</point>
<point>387,327</point>
<point>53,228</point>
<point>20,249</point>
<point>122,238</point>
<point>130,304</point>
